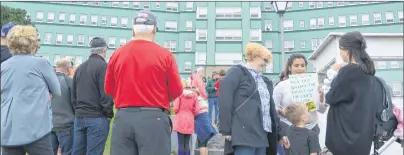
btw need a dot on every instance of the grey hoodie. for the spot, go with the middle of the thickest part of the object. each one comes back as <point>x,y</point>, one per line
<point>62,106</point>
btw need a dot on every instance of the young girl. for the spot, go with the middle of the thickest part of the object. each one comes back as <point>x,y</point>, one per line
<point>203,128</point>
<point>186,107</point>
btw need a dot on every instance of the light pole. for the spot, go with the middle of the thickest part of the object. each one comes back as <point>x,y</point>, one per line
<point>280,8</point>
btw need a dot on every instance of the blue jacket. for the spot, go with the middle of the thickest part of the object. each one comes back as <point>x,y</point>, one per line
<point>26,114</point>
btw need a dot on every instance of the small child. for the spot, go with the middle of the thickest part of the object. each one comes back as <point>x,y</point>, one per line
<point>301,139</point>
<point>331,74</point>
<point>203,128</point>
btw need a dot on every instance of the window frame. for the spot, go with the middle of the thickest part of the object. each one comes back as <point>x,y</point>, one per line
<point>377,15</point>
<point>198,35</point>
<point>342,20</point>
<point>204,11</point>
<point>112,24</point>
<point>67,39</point>
<point>83,22</point>
<point>353,19</point>
<point>368,19</point>
<point>171,26</point>
<point>390,15</point>
<point>39,16</point>
<point>59,41</point>
<point>48,20</point>
<point>47,40</point>
<point>79,41</point>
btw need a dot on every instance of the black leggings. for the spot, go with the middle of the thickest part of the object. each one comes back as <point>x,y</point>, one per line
<point>183,142</point>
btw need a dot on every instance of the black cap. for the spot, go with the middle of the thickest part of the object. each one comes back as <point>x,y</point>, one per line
<point>98,42</point>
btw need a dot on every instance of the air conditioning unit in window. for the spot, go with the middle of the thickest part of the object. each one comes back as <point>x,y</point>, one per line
<point>187,69</point>
<point>268,28</point>
<point>58,42</point>
<point>61,21</point>
<point>312,26</point>
<point>188,49</point>
<point>81,43</point>
<point>69,43</point>
<point>267,8</point>
<point>255,38</point>
<point>202,16</point>
<point>71,21</point>
<point>93,23</point>
<point>135,6</point>
<point>236,61</point>
<point>396,93</point>
<point>146,7</point>
<point>50,20</point>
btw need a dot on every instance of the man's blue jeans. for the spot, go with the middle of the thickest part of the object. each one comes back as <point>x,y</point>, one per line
<point>90,135</point>
<point>64,138</point>
<point>213,103</point>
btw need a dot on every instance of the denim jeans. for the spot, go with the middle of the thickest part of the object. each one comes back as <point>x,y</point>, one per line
<point>90,135</point>
<point>213,103</point>
<point>64,138</point>
<point>246,150</point>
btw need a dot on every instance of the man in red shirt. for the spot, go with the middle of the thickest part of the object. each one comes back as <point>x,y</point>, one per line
<point>143,78</point>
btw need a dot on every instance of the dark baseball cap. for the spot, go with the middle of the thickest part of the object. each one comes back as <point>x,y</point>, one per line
<point>6,28</point>
<point>145,17</point>
<point>98,42</point>
<point>214,73</point>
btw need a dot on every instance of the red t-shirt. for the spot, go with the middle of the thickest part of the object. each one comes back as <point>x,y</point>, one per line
<point>142,74</point>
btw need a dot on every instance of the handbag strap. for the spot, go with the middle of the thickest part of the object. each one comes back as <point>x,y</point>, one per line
<point>242,104</point>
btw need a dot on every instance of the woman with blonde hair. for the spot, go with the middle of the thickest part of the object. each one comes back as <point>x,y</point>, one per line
<point>248,118</point>
<point>27,85</point>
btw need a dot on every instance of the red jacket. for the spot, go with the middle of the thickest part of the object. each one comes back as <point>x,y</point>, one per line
<point>217,86</point>
<point>186,107</point>
<point>142,74</point>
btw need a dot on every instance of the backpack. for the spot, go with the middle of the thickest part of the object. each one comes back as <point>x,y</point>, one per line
<point>386,122</point>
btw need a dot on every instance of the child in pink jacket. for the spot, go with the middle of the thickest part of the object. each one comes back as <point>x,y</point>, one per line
<point>186,107</point>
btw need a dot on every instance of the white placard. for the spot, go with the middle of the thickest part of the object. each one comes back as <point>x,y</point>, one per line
<point>303,87</point>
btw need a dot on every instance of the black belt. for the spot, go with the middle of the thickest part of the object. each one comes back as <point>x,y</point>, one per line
<point>147,109</point>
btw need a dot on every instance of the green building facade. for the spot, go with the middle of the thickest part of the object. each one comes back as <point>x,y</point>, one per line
<point>207,34</point>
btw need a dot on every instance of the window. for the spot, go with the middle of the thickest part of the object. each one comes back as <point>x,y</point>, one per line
<point>330,4</point>
<point>96,3</point>
<point>105,2</point>
<point>312,5</point>
<point>83,19</point>
<point>301,4</point>
<point>188,45</point>
<point>171,45</point>
<point>389,17</point>
<point>289,6</point>
<point>288,25</point>
<point>51,17</point>
<point>78,60</point>
<point>146,5</point>
<point>269,68</point>
<point>59,39</point>
<point>289,45</point>
<point>267,6</point>
<point>377,18</point>
<point>331,20</point>
<point>80,40</point>
<point>394,64</point>
<point>122,41</point>
<point>268,44</point>
<point>255,35</point>
<point>103,20</point>
<point>302,44</point>
<point>62,17</point>
<point>320,41</point>
<point>94,20</point>
<point>228,12</point>
<point>172,6</point>
<point>301,23</point>
<point>400,16</point>
<point>124,22</point>
<point>187,66</point>
<point>320,22</point>
<point>69,39</point>
<point>365,19</point>
<point>200,58</point>
<point>363,2</point>
<point>111,42</point>
<point>56,58</point>
<point>313,23</point>
<point>84,3</point>
<point>39,16</point>
<point>171,25</point>
<point>72,18</point>
<point>189,6</point>
<point>201,12</point>
<point>115,4</point>
<point>319,4</point>
<point>353,20</point>
<point>188,25</point>
<point>268,25</point>
<point>340,3</point>
<point>255,12</point>
<point>351,3</point>
<point>227,58</point>
<point>201,35</point>
<point>89,39</point>
<point>125,4</point>
<point>114,21</point>
<point>136,4</point>
<point>381,65</point>
<point>48,38</point>
<point>314,44</point>
<point>157,4</point>
<point>397,87</point>
<point>342,21</point>
<point>228,34</point>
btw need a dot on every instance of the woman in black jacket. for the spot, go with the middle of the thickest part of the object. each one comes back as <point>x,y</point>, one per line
<point>248,118</point>
<point>353,96</point>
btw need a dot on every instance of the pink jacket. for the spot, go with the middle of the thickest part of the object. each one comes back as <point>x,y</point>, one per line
<point>186,107</point>
<point>200,85</point>
<point>398,112</point>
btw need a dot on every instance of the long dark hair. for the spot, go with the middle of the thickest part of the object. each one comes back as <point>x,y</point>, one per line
<point>355,44</point>
<point>292,58</point>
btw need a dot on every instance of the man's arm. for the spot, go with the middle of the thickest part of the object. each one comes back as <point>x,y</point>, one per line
<point>50,77</point>
<point>173,79</point>
<point>105,100</point>
<point>74,87</point>
<point>109,77</point>
<point>210,87</point>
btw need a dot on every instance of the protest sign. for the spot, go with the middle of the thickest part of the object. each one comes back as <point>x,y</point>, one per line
<point>303,87</point>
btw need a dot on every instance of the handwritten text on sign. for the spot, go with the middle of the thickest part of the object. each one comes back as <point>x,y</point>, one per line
<point>303,86</point>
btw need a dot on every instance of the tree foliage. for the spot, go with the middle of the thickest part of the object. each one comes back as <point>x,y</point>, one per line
<point>15,15</point>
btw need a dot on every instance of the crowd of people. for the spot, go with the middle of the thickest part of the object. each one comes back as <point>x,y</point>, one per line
<point>43,108</point>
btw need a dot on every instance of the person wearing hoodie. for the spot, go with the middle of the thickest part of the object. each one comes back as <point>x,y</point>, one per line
<point>5,53</point>
<point>186,107</point>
